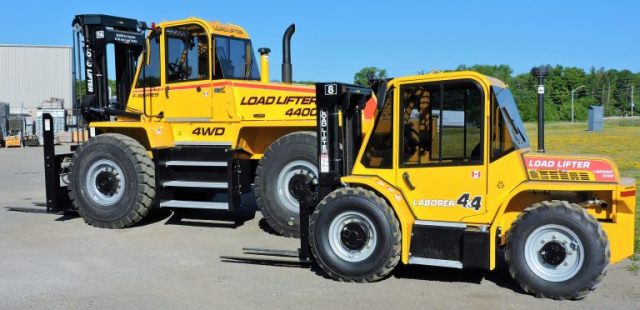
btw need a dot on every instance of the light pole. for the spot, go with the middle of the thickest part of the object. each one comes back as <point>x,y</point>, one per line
<point>573,92</point>
<point>632,103</point>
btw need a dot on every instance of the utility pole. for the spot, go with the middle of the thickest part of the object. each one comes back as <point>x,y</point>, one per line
<point>632,104</point>
<point>573,92</point>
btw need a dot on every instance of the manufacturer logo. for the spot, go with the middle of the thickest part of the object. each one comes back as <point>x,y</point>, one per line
<point>324,142</point>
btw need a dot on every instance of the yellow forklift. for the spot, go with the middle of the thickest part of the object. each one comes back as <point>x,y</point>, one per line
<point>195,124</point>
<point>447,178</point>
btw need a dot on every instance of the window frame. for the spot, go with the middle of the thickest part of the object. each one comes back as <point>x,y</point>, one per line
<point>220,75</point>
<point>390,93</point>
<point>166,54</point>
<point>441,85</point>
<point>501,115</point>
<point>145,59</point>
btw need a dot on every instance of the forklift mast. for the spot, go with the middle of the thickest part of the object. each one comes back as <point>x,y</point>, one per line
<point>339,131</point>
<point>339,136</point>
<point>92,35</point>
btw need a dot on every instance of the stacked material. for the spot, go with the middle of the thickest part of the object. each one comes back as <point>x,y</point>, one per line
<point>59,121</point>
<point>53,103</point>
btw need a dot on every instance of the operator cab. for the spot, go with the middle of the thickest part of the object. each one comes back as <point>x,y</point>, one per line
<point>187,55</point>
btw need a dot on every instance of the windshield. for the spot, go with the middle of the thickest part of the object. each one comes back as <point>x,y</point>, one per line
<point>235,59</point>
<point>509,112</point>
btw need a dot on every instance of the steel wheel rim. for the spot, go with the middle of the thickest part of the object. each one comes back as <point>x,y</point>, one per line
<point>335,236</point>
<point>284,177</point>
<point>98,169</point>
<point>542,238</point>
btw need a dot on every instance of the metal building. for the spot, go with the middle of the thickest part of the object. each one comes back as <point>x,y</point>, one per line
<point>30,74</point>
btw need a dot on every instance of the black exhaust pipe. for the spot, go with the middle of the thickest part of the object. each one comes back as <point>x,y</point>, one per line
<point>287,76</point>
<point>541,73</point>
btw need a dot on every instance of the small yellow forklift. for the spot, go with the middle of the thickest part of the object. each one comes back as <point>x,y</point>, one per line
<point>447,178</point>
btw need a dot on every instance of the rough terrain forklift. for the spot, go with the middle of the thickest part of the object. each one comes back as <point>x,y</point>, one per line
<point>447,178</point>
<point>193,126</point>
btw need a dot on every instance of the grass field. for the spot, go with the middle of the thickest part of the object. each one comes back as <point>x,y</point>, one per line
<point>619,140</point>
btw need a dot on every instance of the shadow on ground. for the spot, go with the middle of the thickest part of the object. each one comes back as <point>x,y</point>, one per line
<point>186,217</point>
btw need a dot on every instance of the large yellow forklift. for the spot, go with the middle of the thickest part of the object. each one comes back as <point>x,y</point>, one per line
<point>447,178</point>
<point>193,125</point>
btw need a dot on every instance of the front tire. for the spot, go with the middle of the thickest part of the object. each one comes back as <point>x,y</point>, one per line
<point>287,157</point>
<point>555,249</point>
<point>355,236</point>
<point>112,181</point>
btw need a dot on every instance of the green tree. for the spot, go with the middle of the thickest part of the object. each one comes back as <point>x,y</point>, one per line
<point>363,76</point>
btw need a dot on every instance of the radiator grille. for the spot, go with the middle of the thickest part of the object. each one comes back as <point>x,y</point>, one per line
<point>555,175</point>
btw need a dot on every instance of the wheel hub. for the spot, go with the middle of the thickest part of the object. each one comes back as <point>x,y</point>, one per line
<point>292,178</point>
<point>553,253</point>
<point>107,183</point>
<point>301,185</point>
<point>354,236</point>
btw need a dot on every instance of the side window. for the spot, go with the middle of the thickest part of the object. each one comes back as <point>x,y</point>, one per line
<point>441,123</point>
<point>235,59</point>
<point>187,53</point>
<point>379,151</point>
<point>501,142</point>
<point>150,73</point>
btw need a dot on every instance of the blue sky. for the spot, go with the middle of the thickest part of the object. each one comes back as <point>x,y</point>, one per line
<point>334,39</point>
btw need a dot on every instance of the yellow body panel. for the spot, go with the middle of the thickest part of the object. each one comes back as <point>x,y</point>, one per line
<point>158,134</point>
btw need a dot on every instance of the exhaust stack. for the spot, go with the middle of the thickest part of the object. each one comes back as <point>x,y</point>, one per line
<point>540,73</point>
<point>286,54</point>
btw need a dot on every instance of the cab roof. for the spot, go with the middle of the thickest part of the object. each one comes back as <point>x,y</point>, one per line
<point>213,27</point>
<point>451,75</point>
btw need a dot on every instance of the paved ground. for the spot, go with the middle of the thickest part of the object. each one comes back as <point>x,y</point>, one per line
<point>172,261</point>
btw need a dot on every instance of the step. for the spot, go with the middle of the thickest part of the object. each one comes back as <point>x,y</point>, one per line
<point>195,184</point>
<point>192,163</point>
<point>194,204</point>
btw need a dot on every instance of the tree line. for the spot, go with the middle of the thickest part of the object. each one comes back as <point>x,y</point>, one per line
<point>609,88</point>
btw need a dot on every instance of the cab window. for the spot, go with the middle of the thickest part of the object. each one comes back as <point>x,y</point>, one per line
<point>441,123</point>
<point>501,140</point>
<point>149,75</point>
<point>379,151</point>
<point>187,53</point>
<point>235,59</point>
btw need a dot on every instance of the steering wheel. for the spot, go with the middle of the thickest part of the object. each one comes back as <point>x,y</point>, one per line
<point>176,72</point>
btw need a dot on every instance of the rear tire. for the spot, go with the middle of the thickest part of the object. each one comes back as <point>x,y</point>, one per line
<point>292,154</point>
<point>555,249</point>
<point>355,236</point>
<point>112,181</point>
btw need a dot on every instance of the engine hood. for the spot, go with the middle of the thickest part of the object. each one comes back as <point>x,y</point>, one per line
<point>570,168</point>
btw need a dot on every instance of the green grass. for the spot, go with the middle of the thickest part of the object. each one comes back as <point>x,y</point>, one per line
<point>619,140</point>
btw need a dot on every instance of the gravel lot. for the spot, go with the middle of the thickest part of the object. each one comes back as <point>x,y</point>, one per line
<point>173,260</point>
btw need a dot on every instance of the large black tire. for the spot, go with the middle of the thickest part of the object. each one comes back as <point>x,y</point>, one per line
<point>553,271</point>
<point>355,236</point>
<point>96,185</point>
<point>291,154</point>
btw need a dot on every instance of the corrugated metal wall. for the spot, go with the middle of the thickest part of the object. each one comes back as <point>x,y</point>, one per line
<point>31,74</point>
